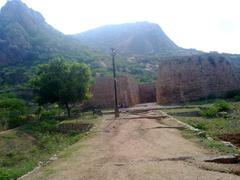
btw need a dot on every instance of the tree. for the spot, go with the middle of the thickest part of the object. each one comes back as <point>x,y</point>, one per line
<point>63,82</point>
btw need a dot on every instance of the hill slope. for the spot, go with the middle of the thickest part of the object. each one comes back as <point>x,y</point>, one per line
<point>141,38</point>
<point>140,46</point>
<point>26,37</point>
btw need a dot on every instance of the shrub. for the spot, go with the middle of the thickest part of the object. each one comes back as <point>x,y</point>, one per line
<point>199,125</point>
<point>209,112</point>
<point>222,105</point>
<point>15,120</point>
<point>12,104</point>
<point>11,110</point>
<point>6,174</point>
<point>218,106</point>
<point>8,95</point>
<point>51,112</point>
<point>44,126</point>
<point>237,98</point>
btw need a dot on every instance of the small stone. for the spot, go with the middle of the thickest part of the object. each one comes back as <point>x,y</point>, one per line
<point>202,134</point>
<point>223,114</point>
<point>54,158</point>
<point>209,138</point>
<point>228,144</point>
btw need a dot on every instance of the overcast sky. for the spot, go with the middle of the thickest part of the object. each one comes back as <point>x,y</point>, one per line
<point>208,25</point>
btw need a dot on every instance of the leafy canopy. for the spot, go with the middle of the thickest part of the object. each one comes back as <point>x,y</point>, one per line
<point>63,82</point>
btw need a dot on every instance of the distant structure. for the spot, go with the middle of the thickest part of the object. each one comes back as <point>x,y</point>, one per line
<point>147,93</point>
<point>189,78</point>
<point>103,92</point>
<point>180,79</point>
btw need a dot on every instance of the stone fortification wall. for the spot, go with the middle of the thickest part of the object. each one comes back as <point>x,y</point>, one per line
<point>103,92</point>
<point>147,93</point>
<point>182,79</point>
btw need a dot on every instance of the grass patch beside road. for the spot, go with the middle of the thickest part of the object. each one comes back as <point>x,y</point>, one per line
<point>214,145</point>
<point>216,125</point>
<point>22,149</point>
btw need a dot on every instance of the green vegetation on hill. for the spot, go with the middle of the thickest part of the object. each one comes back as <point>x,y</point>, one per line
<point>139,47</point>
<point>141,38</point>
<point>26,38</point>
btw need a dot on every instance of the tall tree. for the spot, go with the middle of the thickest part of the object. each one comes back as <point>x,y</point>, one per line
<point>63,82</point>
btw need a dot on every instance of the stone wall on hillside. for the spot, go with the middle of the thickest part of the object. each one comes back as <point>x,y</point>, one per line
<point>190,78</point>
<point>103,92</point>
<point>147,93</point>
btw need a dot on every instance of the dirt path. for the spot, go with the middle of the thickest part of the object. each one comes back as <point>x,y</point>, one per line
<point>142,146</point>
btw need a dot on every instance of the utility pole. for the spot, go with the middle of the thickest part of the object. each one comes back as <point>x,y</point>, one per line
<point>115,83</point>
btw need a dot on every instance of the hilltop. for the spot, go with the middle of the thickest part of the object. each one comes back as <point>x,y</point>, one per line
<point>140,46</point>
<point>132,39</point>
<point>26,38</point>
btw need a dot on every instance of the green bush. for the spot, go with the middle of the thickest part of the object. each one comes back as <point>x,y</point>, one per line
<point>6,174</point>
<point>51,112</point>
<point>199,125</point>
<point>12,104</point>
<point>8,95</point>
<point>209,112</point>
<point>15,120</point>
<point>222,105</point>
<point>237,98</point>
<point>218,106</point>
<point>45,126</point>
<point>11,110</point>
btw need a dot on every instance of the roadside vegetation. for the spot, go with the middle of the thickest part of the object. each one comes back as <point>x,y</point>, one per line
<point>219,119</point>
<point>63,82</point>
<point>35,128</point>
<point>12,111</point>
<point>22,149</point>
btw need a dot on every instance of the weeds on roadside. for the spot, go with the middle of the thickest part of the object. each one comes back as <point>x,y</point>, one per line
<point>218,106</point>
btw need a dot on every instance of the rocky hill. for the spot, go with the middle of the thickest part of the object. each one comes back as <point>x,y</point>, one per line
<point>25,37</point>
<point>132,39</point>
<point>26,40</point>
<point>140,46</point>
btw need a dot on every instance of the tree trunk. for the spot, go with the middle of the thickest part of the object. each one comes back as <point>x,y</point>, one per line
<point>68,110</point>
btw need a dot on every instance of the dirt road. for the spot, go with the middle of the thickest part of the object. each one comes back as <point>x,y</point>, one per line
<point>144,146</point>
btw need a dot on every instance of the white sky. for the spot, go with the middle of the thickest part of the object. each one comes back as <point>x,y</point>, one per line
<point>208,25</point>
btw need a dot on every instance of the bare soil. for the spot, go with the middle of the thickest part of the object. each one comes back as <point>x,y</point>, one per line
<point>233,138</point>
<point>141,146</point>
<point>74,127</point>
